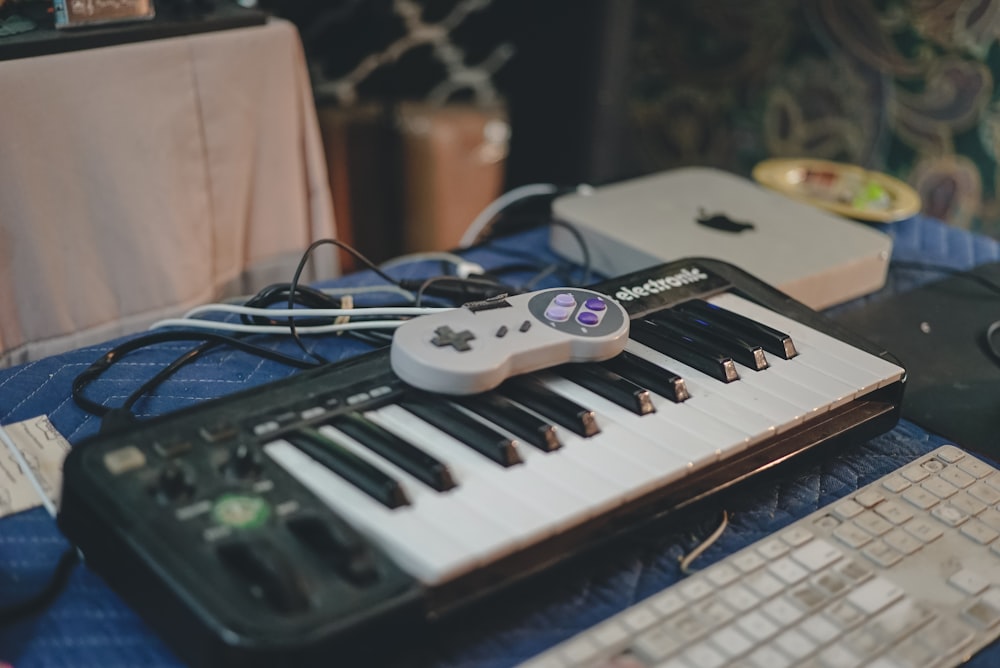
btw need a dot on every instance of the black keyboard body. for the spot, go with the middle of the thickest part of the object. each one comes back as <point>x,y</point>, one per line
<point>234,562</point>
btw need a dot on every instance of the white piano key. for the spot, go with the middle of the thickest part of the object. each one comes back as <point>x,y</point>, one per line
<point>732,404</point>
<point>806,401</point>
<point>521,499</point>
<point>881,371</point>
<point>418,547</point>
<point>833,391</point>
<point>567,467</point>
<point>663,445</point>
<point>455,512</point>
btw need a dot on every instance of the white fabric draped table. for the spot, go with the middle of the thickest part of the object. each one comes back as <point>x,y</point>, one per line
<point>141,179</point>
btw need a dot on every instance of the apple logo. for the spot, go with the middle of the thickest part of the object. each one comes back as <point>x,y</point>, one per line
<point>722,222</point>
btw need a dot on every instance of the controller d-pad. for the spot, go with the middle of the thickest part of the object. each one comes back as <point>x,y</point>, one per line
<point>446,336</point>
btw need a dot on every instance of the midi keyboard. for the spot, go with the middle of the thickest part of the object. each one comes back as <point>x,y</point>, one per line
<point>316,513</point>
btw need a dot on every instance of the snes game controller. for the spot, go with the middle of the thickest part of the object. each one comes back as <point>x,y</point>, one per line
<point>476,347</point>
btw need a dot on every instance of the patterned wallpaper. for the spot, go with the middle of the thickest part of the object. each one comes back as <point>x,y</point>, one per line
<point>903,87</point>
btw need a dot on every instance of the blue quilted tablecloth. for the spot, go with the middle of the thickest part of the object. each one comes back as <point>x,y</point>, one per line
<point>89,626</point>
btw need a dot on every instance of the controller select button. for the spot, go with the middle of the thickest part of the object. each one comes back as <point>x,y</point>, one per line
<point>595,304</point>
<point>588,318</point>
<point>446,336</point>
<point>502,332</point>
<point>565,300</point>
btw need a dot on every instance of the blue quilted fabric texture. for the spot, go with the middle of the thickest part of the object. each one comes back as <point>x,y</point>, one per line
<point>89,626</point>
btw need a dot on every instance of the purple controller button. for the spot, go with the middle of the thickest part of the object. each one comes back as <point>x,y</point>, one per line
<point>595,304</point>
<point>587,318</point>
<point>564,299</point>
<point>558,313</point>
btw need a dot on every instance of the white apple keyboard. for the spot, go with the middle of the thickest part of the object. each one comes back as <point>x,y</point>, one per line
<point>904,573</point>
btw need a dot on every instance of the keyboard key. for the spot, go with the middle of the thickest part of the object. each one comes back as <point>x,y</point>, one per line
<point>967,503</point>
<point>739,597</point>
<point>505,413</point>
<point>881,553</point>
<point>950,515</point>
<point>819,628</point>
<point>764,584</point>
<point>817,555</point>
<point>969,582</point>
<point>609,385</point>
<point>893,512</point>
<point>535,396</point>
<point>795,644</point>
<point>939,487</point>
<point>957,477</point>
<point>978,532</point>
<point>975,467</point>
<point>757,626</point>
<point>463,428</point>
<point>874,595</point>
<point>725,342</point>
<point>366,477</point>
<point>403,454</point>
<point>983,492</point>
<point>687,349</point>
<point>657,644</point>
<point>643,372</point>
<point>773,341</point>
<point>782,611</point>
<point>731,642</point>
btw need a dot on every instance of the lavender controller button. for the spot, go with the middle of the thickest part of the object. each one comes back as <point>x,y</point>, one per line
<point>564,299</point>
<point>558,313</point>
<point>595,304</point>
<point>587,318</point>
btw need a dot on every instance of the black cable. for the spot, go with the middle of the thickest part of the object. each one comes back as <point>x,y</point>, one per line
<point>165,373</point>
<point>103,363</point>
<point>35,603</point>
<point>462,290</point>
<point>294,287</point>
<point>993,340</point>
<point>584,248</point>
<point>304,295</point>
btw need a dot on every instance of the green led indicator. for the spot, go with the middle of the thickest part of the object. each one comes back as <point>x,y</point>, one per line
<point>240,511</point>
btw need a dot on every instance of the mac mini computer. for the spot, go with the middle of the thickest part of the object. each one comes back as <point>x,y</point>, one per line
<point>814,256</point>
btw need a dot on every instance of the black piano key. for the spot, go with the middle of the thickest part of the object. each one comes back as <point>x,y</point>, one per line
<point>564,412</point>
<point>608,384</point>
<point>685,349</point>
<point>465,428</point>
<point>643,372</point>
<point>369,479</point>
<point>770,339</point>
<point>741,350</point>
<point>422,466</point>
<point>505,413</point>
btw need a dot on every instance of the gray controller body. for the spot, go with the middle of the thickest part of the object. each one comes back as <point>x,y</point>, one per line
<point>476,347</point>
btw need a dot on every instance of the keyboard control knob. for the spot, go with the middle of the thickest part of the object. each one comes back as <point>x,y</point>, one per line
<point>244,462</point>
<point>175,482</point>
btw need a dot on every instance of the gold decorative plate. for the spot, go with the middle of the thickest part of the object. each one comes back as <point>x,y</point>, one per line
<point>848,190</point>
